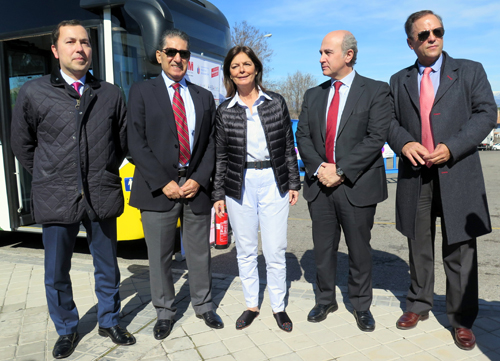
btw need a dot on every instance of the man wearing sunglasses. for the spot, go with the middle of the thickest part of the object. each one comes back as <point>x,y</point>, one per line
<point>443,108</point>
<point>171,141</point>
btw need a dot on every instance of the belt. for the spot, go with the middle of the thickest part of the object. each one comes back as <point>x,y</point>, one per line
<point>261,164</point>
<point>182,172</point>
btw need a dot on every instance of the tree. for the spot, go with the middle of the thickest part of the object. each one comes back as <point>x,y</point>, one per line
<point>246,34</point>
<point>293,89</point>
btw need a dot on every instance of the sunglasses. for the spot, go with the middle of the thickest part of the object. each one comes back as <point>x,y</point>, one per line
<point>172,52</point>
<point>424,35</point>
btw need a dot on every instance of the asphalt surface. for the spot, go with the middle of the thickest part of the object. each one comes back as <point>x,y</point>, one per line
<point>390,254</point>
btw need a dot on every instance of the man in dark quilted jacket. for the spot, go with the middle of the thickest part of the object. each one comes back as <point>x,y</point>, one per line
<point>69,132</point>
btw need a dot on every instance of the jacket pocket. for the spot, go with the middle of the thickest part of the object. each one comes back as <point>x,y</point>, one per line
<point>110,196</point>
<point>51,201</point>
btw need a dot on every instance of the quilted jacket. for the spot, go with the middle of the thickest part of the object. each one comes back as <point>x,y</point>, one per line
<point>231,154</point>
<point>72,146</point>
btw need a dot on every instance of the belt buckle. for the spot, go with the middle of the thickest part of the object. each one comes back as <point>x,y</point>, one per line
<point>261,163</point>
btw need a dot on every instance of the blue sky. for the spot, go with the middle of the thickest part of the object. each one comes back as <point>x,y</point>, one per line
<point>298,27</point>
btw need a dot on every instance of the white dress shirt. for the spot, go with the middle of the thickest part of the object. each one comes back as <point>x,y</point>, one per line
<point>343,92</point>
<point>435,74</point>
<point>256,139</point>
<point>70,81</point>
<point>188,106</point>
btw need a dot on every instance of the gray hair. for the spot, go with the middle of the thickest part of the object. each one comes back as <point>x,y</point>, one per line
<point>418,15</point>
<point>172,33</point>
<point>349,42</point>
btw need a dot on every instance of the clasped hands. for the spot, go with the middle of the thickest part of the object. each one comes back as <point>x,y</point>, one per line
<point>416,152</point>
<point>188,189</point>
<point>327,175</point>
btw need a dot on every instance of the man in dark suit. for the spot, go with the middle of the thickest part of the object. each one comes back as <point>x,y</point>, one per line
<point>443,108</point>
<point>171,141</point>
<point>342,128</point>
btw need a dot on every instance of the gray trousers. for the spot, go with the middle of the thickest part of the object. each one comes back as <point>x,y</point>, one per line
<point>159,231</point>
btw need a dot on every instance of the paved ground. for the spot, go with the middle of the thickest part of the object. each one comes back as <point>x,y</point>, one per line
<point>27,333</point>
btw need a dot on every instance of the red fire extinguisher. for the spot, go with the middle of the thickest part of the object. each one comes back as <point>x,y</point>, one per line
<point>221,231</point>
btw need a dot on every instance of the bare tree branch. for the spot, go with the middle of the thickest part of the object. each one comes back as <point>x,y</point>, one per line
<point>246,34</point>
<point>293,89</point>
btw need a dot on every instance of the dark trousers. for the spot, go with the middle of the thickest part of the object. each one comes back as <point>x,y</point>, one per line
<point>459,260</point>
<point>330,212</point>
<point>159,231</point>
<point>59,241</point>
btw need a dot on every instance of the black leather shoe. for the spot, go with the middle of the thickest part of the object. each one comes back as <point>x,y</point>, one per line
<point>212,319</point>
<point>162,329</point>
<point>365,320</point>
<point>118,335</point>
<point>319,312</point>
<point>65,345</point>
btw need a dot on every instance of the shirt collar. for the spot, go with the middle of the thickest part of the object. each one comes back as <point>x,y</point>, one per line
<point>436,66</point>
<point>70,80</point>
<point>347,80</point>
<point>236,99</point>
<point>169,82</point>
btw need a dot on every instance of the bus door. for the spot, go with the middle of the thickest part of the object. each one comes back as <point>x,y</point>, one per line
<point>24,59</point>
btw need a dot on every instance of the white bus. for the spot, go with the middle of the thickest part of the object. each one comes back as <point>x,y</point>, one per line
<point>124,37</point>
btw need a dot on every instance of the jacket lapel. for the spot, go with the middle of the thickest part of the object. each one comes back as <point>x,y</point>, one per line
<point>411,85</point>
<point>161,93</point>
<point>198,109</point>
<point>357,88</point>
<point>322,106</point>
<point>449,75</point>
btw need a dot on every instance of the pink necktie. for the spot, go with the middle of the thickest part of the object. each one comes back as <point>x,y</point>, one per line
<point>76,85</point>
<point>331,123</point>
<point>181,124</point>
<point>426,102</point>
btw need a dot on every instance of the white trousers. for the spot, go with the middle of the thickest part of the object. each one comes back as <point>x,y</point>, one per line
<point>261,203</point>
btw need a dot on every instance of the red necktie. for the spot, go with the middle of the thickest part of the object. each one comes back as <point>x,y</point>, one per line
<point>76,85</point>
<point>181,124</point>
<point>331,123</point>
<point>426,102</point>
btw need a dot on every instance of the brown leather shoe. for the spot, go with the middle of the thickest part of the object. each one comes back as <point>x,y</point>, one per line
<point>465,339</point>
<point>409,320</point>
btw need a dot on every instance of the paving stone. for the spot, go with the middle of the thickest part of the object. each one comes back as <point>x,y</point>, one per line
<point>275,349</point>
<point>316,353</point>
<point>251,354</point>
<point>7,353</point>
<point>299,342</point>
<point>357,356</point>
<point>380,352</point>
<point>239,343</point>
<point>339,348</point>
<point>177,344</point>
<point>30,337</point>
<point>385,335</point>
<point>205,338</point>
<point>33,357</point>
<point>288,357</point>
<point>186,355</point>
<point>404,347</point>
<point>213,350</point>
<point>31,348</point>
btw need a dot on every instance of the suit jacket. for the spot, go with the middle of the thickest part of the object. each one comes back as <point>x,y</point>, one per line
<point>154,146</point>
<point>362,132</point>
<point>464,112</point>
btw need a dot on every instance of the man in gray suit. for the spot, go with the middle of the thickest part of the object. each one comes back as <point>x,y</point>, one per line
<point>443,108</point>
<point>171,140</point>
